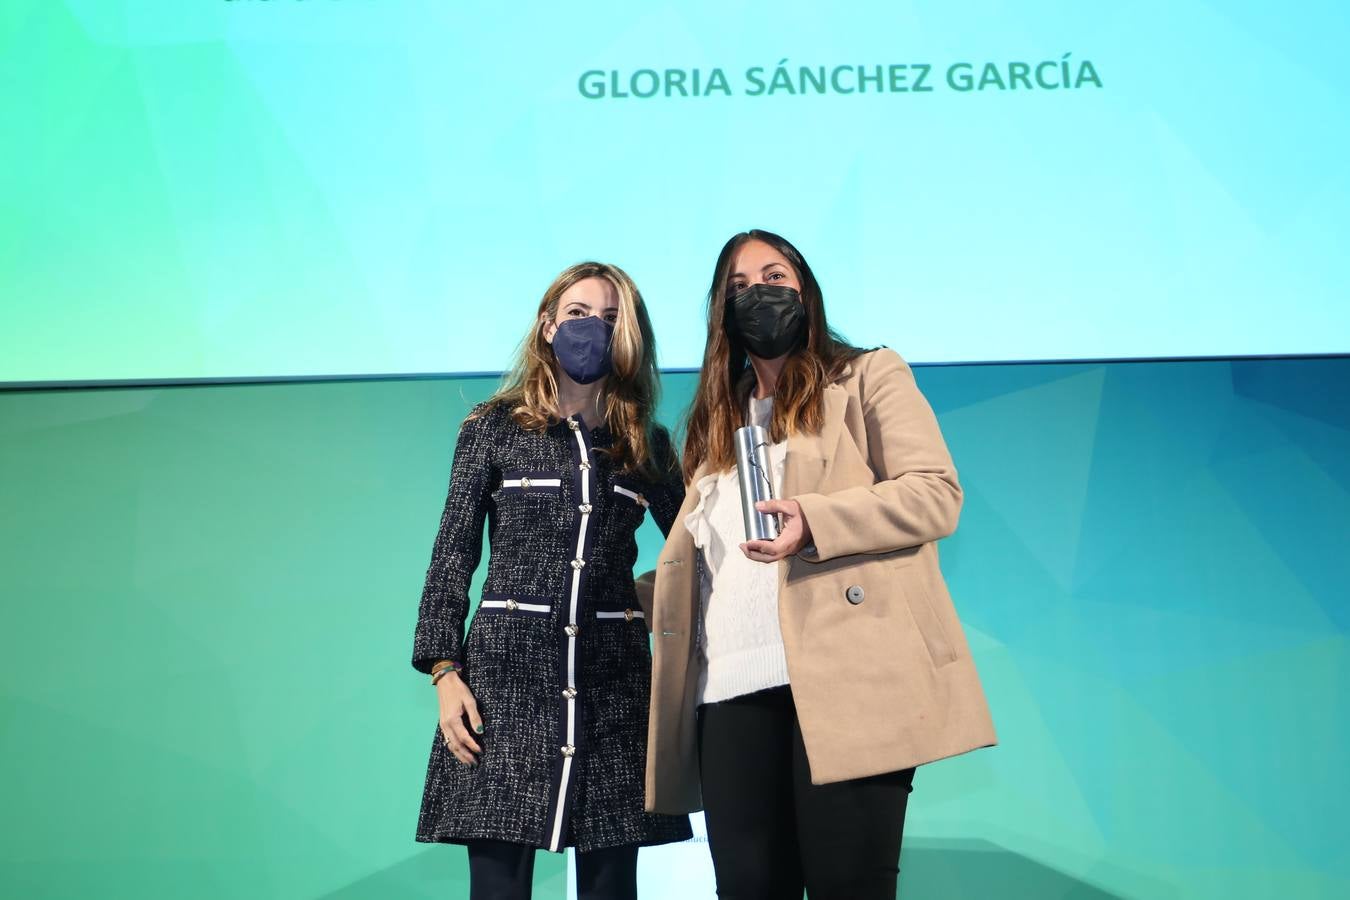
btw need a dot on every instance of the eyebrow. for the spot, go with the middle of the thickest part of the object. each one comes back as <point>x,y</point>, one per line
<point>766,267</point>
<point>587,304</point>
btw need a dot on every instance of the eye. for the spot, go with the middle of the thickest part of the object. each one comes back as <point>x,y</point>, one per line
<point>576,312</point>
<point>736,287</point>
<point>611,317</point>
<point>775,276</point>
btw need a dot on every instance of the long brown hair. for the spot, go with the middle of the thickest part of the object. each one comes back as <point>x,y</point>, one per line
<point>719,401</point>
<point>530,388</point>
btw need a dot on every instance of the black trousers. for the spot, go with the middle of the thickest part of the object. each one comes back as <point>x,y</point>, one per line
<point>773,833</point>
<point>502,871</point>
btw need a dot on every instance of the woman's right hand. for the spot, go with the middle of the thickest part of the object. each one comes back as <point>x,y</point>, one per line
<point>457,705</point>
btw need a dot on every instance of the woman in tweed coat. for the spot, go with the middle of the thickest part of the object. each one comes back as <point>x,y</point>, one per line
<point>543,727</point>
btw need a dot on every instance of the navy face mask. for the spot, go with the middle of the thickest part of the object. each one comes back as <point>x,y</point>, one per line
<point>582,347</point>
<point>768,319</point>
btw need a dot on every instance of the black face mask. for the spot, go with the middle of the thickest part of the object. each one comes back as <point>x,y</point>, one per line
<point>768,319</point>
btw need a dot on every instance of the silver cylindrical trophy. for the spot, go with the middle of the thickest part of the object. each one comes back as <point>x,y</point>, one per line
<point>756,478</point>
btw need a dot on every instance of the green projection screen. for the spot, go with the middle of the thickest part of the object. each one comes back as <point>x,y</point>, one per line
<point>234,188</point>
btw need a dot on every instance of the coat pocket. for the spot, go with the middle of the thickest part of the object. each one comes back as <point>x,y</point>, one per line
<point>515,605</point>
<point>523,483</point>
<point>926,620</point>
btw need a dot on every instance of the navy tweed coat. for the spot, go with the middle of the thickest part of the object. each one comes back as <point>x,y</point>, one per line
<point>557,654</point>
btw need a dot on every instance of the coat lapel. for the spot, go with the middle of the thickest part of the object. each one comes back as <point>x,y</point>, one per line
<point>808,459</point>
<point>809,455</point>
<point>674,599</point>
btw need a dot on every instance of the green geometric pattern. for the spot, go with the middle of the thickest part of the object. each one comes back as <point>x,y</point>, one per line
<point>1152,565</point>
<point>210,593</point>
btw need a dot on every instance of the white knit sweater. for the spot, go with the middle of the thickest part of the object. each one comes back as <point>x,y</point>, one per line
<point>741,640</point>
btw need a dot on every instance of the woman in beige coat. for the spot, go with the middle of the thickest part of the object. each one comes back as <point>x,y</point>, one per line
<point>797,682</point>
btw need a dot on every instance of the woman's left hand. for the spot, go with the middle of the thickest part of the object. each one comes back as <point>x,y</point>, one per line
<point>794,534</point>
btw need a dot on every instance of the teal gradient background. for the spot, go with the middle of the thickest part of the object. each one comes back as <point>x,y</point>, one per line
<point>210,595</point>
<point>230,188</point>
<point>209,591</point>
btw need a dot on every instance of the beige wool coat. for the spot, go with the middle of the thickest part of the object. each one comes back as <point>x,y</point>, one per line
<point>880,671</point>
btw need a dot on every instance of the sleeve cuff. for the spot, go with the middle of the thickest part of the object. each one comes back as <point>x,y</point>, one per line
<point>813,510</point>
<point>433,644</point>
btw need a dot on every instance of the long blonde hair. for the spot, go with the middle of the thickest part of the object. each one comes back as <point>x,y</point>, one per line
<point>719,400</point>
<point>530,388</point>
